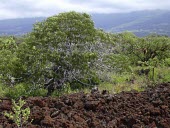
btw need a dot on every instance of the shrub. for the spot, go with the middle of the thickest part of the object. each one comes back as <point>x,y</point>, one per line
<point>23,89</point>
<point>20,115</point>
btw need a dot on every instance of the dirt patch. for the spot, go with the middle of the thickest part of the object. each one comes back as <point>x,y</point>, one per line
<point>148,109</point>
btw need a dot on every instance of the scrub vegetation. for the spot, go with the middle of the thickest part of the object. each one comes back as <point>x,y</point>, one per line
<point>65,53</point>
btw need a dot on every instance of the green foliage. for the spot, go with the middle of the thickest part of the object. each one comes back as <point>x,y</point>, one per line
<point>60,48</point>
<point>167,62</point>
<point>162,74</point>
<point>2,90</point>
<point>20,115</point>
<point>146,53</point>
<point>65,53</point>
<point>143,49</point>
<point>11,67</point>
<point>118,62</point>
<point>16,91</point>
<point>63,48</point>
<point>24,89</point>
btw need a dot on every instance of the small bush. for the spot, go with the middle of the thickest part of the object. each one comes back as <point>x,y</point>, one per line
<point>20,115</point>
<point>167,62</point>
<point>2,90</point>
<point>24,90</point>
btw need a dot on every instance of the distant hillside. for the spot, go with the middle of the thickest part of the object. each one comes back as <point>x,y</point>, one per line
<point>17,26</point>
<point>141,23</point>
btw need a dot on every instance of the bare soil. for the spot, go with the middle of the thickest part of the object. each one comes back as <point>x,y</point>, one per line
<point>148,109</point>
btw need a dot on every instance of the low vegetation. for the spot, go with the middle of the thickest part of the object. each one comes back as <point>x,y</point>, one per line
<point>20,115</point>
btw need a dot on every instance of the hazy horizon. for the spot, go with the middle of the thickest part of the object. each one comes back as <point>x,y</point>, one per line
<point>77,11</point>
<point>11,9</point>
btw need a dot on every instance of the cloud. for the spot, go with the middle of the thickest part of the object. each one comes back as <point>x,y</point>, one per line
<point>34,8</point>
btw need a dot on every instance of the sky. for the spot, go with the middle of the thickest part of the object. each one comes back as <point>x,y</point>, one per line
<point>43,8</point>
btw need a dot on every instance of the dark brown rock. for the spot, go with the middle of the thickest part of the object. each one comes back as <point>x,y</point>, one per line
<point>148,109</point>
<point>47,122</point>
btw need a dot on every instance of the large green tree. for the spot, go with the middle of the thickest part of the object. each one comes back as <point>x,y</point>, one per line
<point>59,50</point>
<point>65,49</point>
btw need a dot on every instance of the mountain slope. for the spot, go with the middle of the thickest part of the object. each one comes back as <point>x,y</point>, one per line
<point>141,23</point>
<point>17,26</point>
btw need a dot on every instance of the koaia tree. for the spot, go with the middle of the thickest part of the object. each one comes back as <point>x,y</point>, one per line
<point>62,49</point>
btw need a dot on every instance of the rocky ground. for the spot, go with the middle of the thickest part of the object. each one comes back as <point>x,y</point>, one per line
<point>148,109</point>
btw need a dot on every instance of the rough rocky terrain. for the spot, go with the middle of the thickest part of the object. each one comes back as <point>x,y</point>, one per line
<point>148,109</point>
